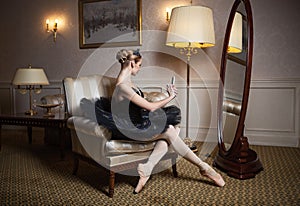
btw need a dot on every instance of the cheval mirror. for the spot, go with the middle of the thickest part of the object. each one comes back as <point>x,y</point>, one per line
<point>234,156</point>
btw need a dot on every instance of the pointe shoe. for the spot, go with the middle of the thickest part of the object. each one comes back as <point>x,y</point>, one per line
<point>144,177</point>
<point>213,175</point>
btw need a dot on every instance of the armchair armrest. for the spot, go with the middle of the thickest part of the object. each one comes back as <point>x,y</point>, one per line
<point>88,138</point>
<point>89,127</point>
<point>154,93</point>
<point>154,96</point>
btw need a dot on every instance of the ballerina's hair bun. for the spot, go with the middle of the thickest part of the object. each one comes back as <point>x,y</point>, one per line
<point>123,55</point>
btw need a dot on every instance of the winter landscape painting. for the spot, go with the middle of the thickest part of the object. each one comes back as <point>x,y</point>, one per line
<point>109,23</point>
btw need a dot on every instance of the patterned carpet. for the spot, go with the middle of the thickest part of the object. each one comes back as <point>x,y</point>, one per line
<point>35,175</point>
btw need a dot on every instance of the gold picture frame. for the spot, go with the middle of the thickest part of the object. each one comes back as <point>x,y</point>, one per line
<point>109,23</point>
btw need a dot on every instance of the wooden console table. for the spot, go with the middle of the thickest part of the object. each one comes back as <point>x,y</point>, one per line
<point>58,121</point>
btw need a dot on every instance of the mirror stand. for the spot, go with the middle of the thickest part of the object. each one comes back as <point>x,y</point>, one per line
<point>243,163</point>
<point>234,156</point>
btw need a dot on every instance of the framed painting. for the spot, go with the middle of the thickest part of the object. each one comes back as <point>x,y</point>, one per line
<point>109,23</point>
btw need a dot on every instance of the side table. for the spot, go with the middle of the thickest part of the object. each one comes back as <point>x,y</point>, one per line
<point>58,121</point>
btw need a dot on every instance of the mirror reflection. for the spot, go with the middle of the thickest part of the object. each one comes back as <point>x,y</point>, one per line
<point>234,76</point>
<point>234,156</point>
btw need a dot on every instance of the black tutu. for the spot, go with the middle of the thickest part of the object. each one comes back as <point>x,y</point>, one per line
<point>142,126</point>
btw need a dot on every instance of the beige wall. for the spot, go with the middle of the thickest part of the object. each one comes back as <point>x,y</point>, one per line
<point>23,41</point>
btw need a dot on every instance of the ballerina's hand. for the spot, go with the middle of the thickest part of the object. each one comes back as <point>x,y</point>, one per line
<point>172,91</point>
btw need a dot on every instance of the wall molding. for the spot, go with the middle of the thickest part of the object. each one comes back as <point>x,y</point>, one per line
<point>18,102</point>
<point>266,133</point>
<point>280,95</point>
<point>280,106</point>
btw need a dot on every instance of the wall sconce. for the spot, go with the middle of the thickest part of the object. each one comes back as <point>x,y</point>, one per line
<point>54,30</point>
<point>168,14</point>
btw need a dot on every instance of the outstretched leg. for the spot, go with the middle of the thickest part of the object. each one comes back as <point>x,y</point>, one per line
<point>183,150</point>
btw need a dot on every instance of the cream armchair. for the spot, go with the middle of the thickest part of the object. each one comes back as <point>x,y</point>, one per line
<point>91,141</point>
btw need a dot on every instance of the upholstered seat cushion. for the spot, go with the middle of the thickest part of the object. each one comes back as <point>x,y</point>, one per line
<point>88,127</point>
<point>96,150</point>
<point>125,146</point>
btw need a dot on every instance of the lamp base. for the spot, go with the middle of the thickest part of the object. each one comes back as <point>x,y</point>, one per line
<point>31,112</point>
<point>188,141</point>
<point>193,148</point>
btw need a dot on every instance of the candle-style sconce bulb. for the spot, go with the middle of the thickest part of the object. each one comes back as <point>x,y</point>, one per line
<point>47,25</point>
<point>168,14</point>
<point>55,25</point>
<point>54,30</point>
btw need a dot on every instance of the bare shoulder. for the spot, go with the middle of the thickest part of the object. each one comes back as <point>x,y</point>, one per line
<point>124,90</point>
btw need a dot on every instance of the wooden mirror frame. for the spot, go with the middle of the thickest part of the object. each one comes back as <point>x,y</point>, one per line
<point>239,160</point>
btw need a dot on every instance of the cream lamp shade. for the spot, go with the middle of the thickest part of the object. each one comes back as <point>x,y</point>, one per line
<point>30,76</point>
<point>191,26</point>
<point>235,44</point>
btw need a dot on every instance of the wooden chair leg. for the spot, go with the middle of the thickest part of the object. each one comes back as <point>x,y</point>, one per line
<point>111,183</point>
<point>76,164</point>
<point>174,168</point>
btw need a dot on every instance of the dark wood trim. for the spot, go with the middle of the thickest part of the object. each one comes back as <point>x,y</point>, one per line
<point>239,161</point>
<point>111,183</point>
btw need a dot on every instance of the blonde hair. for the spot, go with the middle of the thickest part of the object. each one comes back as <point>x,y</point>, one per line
<point>125,54</point>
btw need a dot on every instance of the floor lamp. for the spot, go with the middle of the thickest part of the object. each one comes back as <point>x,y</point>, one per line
<point>190,28</point>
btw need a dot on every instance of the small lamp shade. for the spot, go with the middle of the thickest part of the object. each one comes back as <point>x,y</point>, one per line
<point>30,76</point>
<point>191,26</point>
<point>235,44</point>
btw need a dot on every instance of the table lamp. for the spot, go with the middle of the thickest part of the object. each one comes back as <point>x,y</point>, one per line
<point>30,79</point>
